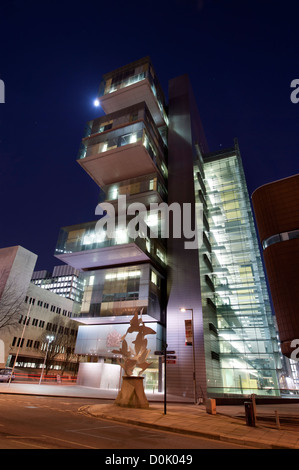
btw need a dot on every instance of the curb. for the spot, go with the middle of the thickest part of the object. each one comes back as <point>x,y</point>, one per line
<point>176,430</point>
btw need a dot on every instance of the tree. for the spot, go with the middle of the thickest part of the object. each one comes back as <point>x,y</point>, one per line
<point>11,300</point>
<point>61,347</point>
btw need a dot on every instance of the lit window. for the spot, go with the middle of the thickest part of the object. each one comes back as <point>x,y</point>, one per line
<point>160,255</point>
<point>114,193</point>
<point>133,138</point>
<point>134,273</point>
<point>164,169</point>
<point>110,276</point>
<point>154,278</point>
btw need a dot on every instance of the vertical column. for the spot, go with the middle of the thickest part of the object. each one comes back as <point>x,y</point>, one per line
<point>184,288</point>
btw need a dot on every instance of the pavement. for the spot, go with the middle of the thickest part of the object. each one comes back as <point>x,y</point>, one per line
<point>227,425</point>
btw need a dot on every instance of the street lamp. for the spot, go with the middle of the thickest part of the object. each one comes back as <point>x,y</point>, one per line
<point>193,348</point>
<point>50,339</point>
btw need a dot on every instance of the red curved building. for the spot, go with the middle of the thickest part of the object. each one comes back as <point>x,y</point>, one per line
<point>276,207</point>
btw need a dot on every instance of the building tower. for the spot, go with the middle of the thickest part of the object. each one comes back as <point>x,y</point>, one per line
<point>153,154</point>
<point>125,153</point>
<point>277,215</point>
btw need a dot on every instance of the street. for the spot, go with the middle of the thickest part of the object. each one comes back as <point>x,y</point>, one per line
<point>40,422</point>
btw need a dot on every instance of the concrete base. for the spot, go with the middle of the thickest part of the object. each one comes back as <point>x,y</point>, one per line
<point>132,393</point>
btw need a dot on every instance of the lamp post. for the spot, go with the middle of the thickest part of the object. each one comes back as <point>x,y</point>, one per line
<point>50,339</point>
<point>193,349</point>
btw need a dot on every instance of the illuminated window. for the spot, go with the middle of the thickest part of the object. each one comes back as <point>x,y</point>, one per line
<point>133,138</point>
<point>161,255</point>
<point>154,278</point>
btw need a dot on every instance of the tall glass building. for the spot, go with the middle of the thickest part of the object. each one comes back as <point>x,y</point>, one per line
<point>209,303</point>
<point>248,350</point>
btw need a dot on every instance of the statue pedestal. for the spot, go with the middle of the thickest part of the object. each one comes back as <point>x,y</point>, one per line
<point>132,393</point>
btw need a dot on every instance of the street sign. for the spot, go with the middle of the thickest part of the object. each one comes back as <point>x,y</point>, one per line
<point>170,359</point>
<point>162,353</point>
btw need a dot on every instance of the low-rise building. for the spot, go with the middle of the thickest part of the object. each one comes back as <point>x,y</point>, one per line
<point>34,321</point>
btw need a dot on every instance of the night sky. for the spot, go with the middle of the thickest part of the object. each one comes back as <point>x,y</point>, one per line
<point>241,57</point>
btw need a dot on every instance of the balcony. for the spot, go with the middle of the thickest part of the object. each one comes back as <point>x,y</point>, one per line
<point>81,247</point>
<point>119,149</point>
<point>147,190</point>
<point>133,84</point>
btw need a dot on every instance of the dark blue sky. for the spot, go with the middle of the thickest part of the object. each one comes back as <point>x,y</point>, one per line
<point>241,57</point>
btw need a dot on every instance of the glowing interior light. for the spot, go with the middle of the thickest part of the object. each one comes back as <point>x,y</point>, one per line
<point>123,275</point>
<point>110,276</point>
<point>133,138</point>
<point>134,273</point>
<point>94,237</point>
<point>114,193</point>
<point>96,102</point>
<point>152,220</point>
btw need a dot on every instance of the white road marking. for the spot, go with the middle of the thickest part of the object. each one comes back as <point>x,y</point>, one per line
<point>69,442</point>
<point>27,443</point>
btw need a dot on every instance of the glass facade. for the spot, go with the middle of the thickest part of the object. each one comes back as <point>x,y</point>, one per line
<point>140,187</point>
<point>132,74</point>
<point>98,341</point>
<point>120,134</point>
<point>126,153</point>
<point>130,134</point>
<point>248,349</point>
<point>85,237</point>
<point>111,298</point>
<point>121,291</point>
<point>70,286</point>
<point>211,337</point>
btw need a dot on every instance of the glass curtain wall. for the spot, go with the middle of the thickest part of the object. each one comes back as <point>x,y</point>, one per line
<point>249,356</point>
<point>211,343</point>
<point>122,291</point>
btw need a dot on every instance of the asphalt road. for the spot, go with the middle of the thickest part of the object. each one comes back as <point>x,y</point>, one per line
<point>39,422</point>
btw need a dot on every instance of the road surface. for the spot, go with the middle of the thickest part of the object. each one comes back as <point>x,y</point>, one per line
<point>39,422</point>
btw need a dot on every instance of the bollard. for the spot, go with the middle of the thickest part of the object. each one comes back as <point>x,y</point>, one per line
<point>249,413</point>
<point>253,397</point>
<point>277,419</point>
<point>211,406</point>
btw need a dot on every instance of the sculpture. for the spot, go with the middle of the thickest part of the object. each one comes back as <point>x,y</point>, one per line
<point>132,391</point>
<point>137,358</point>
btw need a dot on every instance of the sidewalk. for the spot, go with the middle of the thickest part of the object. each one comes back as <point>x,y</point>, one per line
<point>188,419</point>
